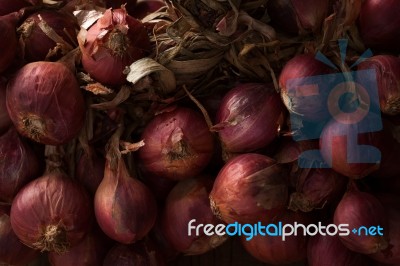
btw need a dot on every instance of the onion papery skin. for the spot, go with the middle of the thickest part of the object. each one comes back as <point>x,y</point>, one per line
<point>316,188</point>
<point>329,251</point>
<point>298,16</point>
<point>8,47</point>
<point>248,189</point>
<point>125,208</point>
<point>113,43</point>
<point>361,209</point>
<point>178,144</point>
<point>37,45</point>
<point>143,253</point>
<point>12,251</point>
<point>90,171</point>
<point>334,149</point>
<point>275,251</point>
<point>52,213</point>
<point>249,118</point>
<point>5,121</point>
<point>18,165</point>
<point>310,108</point>
<point>387,69</point>
<point>45,103</point>
<point>189,200</point>
<point>91,251</point>
<point>379,24</point>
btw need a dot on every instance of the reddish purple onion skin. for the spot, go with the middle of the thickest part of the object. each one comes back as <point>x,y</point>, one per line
<point>178,144</point>
<point>18,165</point>
<point>316,188</point>
<point>189,200</point>
<point>143,253</point>
<point>125,208</point>
<point>334,149</point>
<point>329,251</point>
<point>45,103</point>
<point>387,68</point>
<point>248,189</point>
<point>249,118</point>
<point>90,171</point>
<point>311,108</point>
<point>91,251</point>
<point>7,7</point>
<point>9,43</point>
<point>52,213</point>
<point>379,24</point>
<point>12,251</point>
<point>5,121</point>
<point>273,250</point>
<point>108,49</point>
<point>145,7</point>
<point>362,209</point>
<point>37,45</point>
<point>298,16</point>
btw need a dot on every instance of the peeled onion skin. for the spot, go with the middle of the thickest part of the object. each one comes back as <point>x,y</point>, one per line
<point>189,200</point>
<point>51,213</point>
<point>387,68</point>
<point>248,189</point>
<point>178,144</point>
<point>272,250</point>
<point>105,56</point>
<point>249,117</point>
<point>18,165</point>
<point>311,108</point>
<point>125,208</point>
<point>12,251</point>
<point>45,103</point>
<point>379,24</point>
<point>329,251</point>
<point>9,43</point>
<point>362,209</point>
<point>38,45</point>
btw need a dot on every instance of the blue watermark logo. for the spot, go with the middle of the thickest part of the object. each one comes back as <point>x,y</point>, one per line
<point>281,230</point>
<point>351,99</point>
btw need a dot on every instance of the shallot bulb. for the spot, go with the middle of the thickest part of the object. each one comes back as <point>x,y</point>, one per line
<point>90,170</point>
<point>188,200</point>
<point>362,209</point>
<point>329,250</point>
<point>125,208</point>
<point>301,97</point>
<point>249,118</point>
<point>114,42</point>
<point>48,35</point>
<point>45,103</point>
<point>51,213</point>
<point>9,43</point>
<point>379,24</point>
<point>12,251</point>
<point>18,165</point>
<point>298,16</point>
<point>178,144</point>
<point>248,189</point>
<point>387,69</point>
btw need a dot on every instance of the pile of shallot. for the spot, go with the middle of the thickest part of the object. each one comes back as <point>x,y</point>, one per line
<point>131,129</point>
